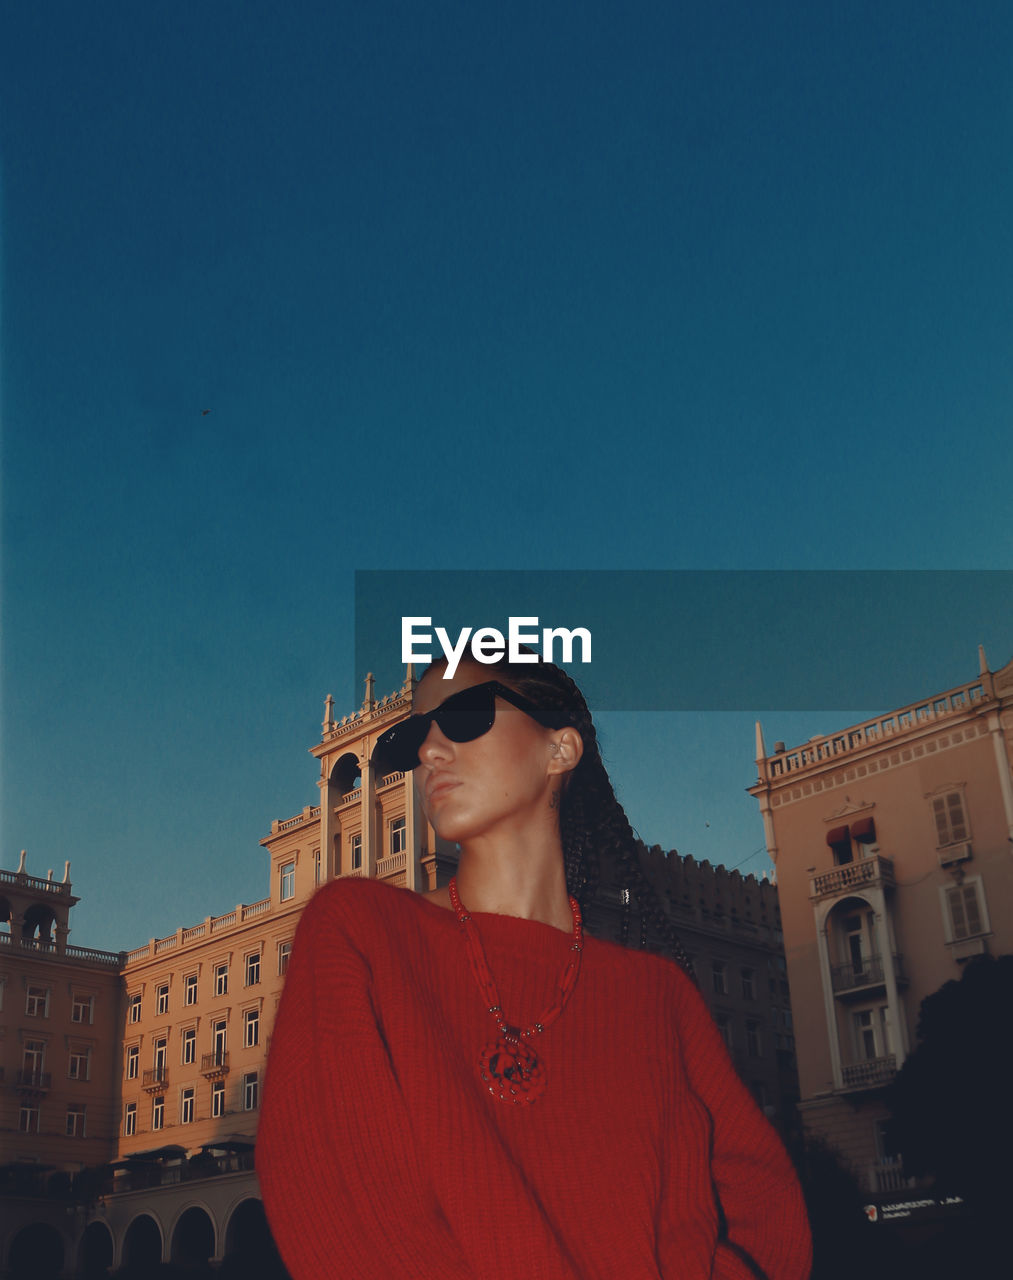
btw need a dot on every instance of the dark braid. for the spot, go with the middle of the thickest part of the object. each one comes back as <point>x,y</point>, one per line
<point>595,833</point>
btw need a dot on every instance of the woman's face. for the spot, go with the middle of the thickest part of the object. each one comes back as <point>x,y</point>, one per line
<point>500,781</point>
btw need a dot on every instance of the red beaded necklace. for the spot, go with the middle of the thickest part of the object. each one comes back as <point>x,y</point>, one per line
<point>508,1065</point>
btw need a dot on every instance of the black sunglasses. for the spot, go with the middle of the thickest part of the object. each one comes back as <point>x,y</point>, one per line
<point>463,717</point>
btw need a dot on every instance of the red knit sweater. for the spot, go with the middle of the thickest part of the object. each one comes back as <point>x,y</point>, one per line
<point>381,1153</point>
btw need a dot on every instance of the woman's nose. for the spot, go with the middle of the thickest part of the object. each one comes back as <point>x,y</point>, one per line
<point>435,745</point>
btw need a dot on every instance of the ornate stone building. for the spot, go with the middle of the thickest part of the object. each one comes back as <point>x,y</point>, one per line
<point>186,1019</point>
<point>893,846</point>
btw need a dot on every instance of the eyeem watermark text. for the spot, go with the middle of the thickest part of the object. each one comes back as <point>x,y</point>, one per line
<point>487,644</point>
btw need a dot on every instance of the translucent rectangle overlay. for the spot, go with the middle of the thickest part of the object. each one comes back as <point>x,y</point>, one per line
<point>716,640</point>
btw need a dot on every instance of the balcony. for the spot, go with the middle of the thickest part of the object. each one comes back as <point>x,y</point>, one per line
<point>875,1073</point>
<point>28,1078</point>
<point>869,872</point>
<point>215,1065</point>
<point>156,1079</point>
<point>864,976</point>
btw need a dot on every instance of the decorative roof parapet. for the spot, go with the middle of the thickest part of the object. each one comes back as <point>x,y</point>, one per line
<point>905,721</point>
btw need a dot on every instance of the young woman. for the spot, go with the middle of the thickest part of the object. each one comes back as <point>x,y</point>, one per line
<point>464,1085</point>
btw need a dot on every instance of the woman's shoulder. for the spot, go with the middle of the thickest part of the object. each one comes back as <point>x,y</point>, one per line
<point>359,906</point>
<point>355,896</point>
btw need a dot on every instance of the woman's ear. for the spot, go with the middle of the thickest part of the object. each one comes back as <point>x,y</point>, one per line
<point>567,748</point>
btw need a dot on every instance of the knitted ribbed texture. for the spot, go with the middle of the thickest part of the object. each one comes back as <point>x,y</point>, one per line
<point>381,1154</point>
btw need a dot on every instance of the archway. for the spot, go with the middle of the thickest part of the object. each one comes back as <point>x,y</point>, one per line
<point>346,774</point>
<point>36,1253</point>
<point>39,921</point>
<point>142,1245</point>
<point>95,1253</point>
<point>193,1238</point>
<point>250,1252</point>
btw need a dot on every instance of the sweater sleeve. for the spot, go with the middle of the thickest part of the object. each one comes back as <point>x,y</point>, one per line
<point>343,1188</point>
<point>766,1227</point>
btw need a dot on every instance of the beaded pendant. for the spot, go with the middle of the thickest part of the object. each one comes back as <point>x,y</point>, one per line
<point>512,1070</point>
<point>508,1066</point>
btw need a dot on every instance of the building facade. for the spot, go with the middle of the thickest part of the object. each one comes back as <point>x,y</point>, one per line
<point>893,847</point>
<point>186,1020</point>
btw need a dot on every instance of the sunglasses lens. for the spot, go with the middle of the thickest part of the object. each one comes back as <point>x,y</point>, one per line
<point>467,715</point>
<point>464,717</point>
<point>399,747</point>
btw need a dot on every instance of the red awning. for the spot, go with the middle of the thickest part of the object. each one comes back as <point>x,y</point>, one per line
<point>838,835</point>
<point>864,830</point>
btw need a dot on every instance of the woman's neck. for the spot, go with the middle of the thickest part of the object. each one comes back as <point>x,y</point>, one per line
<point>526,882</point>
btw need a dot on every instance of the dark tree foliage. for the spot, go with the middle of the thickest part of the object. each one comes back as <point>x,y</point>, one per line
<point>952,1102</point>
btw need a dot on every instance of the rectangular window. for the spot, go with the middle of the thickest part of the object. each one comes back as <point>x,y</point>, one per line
<point>872,1033</point>
<point>81,1009</point>
<point>28,1118</point>
<point>162,998</point>
<point>134,1009</point>
<point>220,1031</point>
<point>748,985</point>
<point>189,1045</point>
<point>160,1075</point>
<point>356,848</point>
<point>718,983</point>
<point>965,908</point>
<point>75,1120</point>
<point>158,1113</point>
<point>218,1099</point>
<point>316,866</point>
<point>79,1067</point>
<point>37,1002</point>
<point>251,1028</point>
<point>398,836</point>
<point>251,1093</point>
<point>753,1043</point>
<point>951,824</point>
<point>724,1025</point>
<point>33,1062</point>
<point>288,881</point>
<point>253,968</point>
<point>186,1107</point>
<point>190,989</point>
<point>133,1058</point>
<point>221,979</point>
<point>130,1119</point>
<point>284,951</point>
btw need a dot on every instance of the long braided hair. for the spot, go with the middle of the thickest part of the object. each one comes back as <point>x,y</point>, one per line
<point>600,849</point>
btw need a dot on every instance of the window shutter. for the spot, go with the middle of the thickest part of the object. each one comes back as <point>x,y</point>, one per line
<point>958,920</point>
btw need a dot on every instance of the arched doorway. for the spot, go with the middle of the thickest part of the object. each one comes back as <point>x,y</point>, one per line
<point>142,1246</point>
<point>193,1239</point>
<point>36,1253</point>
<point>95,1253</point>
<point>250,1252</point>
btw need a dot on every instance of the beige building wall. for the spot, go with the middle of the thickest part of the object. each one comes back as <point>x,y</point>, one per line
<point>59,1022</point>
<point>893,846</point>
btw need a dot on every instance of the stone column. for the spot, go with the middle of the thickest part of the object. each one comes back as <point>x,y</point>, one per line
<point>368,813</point>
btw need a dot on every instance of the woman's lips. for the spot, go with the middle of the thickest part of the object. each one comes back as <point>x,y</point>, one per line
<point>439,786</point>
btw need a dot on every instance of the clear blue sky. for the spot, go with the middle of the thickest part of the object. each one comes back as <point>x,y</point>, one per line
<point>462,286</point>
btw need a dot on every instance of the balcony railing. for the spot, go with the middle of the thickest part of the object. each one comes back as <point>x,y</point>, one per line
<point>872,1074</point>
<point>889,1175</point>
<point>389,866</point>
<point>867,973</point>
<point>155,1078</point>
<point>30,1079</point>
<point>215,1063</point>
<point>851,875</point>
